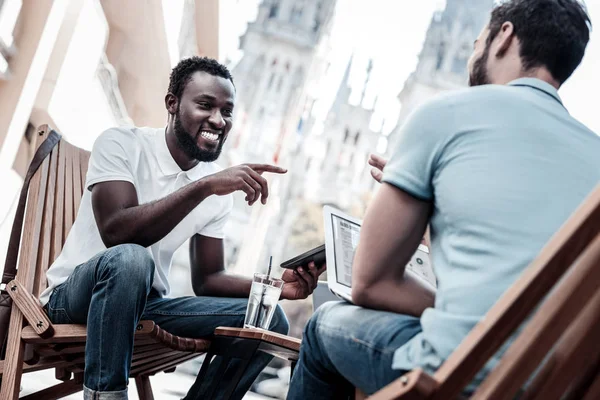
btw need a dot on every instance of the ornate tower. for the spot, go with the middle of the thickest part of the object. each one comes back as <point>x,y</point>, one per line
<point>347,140</point>
<point>280,50</point>
<point>283,57</point>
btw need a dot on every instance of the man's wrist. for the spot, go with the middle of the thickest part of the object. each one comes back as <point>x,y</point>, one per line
<point>203,188</point>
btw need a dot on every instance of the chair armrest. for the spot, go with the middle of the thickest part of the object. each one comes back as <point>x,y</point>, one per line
<point>31,309</point>
<point>273,338</point>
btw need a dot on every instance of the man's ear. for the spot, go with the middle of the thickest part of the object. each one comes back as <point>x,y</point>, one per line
<point>171,103</point>
<point>504,39</point>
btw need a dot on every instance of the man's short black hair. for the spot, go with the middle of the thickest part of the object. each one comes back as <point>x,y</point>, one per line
<point>552,33</point>
<point>183,71</point>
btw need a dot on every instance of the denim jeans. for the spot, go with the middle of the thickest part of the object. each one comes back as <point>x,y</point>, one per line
<point>346,346</point>
<point>112,292</point>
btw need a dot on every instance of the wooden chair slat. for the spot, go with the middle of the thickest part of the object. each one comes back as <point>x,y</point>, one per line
<point>520,299</point>
<point>163,364</point>
<point>154,351</point>
<point>593,392</point>
<point>84,161</point>
<point>58,237</point>
<point>545,328</point>
<point>68,199</point>
<point>157,356</point>
<point>571,358</point>
<point>583,383</point>
<point>76,182</point>
<point>45,245</point>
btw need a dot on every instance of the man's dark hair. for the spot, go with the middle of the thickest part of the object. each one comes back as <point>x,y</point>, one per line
<point>552,33</point>
<point>183,71</point>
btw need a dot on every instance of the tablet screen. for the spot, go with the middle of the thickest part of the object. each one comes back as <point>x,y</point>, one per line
<point>345,241</point>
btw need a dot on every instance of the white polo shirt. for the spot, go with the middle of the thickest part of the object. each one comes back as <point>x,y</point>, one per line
<point>139,156</point>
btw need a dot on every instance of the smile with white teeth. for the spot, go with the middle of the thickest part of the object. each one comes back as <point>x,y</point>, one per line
<point>213,137</point>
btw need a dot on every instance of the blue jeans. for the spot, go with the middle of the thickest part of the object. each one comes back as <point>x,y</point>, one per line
<point>346,346</point>
<point>113,291</point>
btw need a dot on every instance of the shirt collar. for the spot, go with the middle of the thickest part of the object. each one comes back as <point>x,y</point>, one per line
<point>539,85</point>
<point>166,163</point>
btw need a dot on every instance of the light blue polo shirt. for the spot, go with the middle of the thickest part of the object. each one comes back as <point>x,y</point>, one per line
<point>504,167</point>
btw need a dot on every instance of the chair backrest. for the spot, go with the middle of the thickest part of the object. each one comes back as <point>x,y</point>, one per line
<point>52,203</point>
<point>568,268</point>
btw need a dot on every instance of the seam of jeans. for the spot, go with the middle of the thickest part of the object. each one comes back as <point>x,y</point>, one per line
<point>100,337</point>
<point>196,314</point>
<point>385,351</point>
<point>64,313</point>
<point>338,332</point>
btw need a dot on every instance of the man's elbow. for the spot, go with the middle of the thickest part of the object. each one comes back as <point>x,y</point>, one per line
<point>360,295</point>
<point>109,239</point>
<point>204,287</point>
<point>200,290</point>
<point>113,236</point>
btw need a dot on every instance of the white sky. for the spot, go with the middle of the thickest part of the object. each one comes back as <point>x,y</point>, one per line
<point>391,32</point>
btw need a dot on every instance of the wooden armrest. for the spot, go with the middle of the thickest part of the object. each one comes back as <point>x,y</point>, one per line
<point>273,338</point>
<point>31,309</point>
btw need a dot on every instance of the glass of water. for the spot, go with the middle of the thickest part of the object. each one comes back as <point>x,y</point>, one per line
<point>264,296</point>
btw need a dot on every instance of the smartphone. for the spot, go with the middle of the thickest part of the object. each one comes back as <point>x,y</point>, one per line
<point>317,255</point>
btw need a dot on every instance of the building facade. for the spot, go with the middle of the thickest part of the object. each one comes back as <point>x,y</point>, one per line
<point>443,60</point>
<point>284,56</point>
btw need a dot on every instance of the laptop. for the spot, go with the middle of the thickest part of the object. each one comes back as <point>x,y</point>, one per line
<point>342,233</point>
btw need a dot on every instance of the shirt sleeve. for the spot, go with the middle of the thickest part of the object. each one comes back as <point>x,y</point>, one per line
<point>415,153</point>
<point>110,158</point>
<point>216,228</point>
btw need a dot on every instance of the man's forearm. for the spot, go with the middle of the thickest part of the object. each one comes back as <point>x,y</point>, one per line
<point>224,285</point>
<point>146,224</point>
<point>406,296</point>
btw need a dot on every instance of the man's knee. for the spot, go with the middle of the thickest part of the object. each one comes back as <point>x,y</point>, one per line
<point>280,323</point>
<point>133,263</point>
<point>332,312</point>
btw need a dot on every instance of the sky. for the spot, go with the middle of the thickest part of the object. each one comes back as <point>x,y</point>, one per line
<point>391,33</point>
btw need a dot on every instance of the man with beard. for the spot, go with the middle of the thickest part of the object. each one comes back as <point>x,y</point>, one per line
<point>147,192</point>
<point>495,170</point>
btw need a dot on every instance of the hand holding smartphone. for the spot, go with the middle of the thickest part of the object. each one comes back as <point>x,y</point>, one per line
<point>317,255</point>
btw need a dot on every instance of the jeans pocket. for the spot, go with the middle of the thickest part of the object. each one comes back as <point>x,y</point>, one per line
<point>56,309</point>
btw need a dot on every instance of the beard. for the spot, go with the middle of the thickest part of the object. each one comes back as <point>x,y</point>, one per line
<point>188,143</point>
<point>479,74</point>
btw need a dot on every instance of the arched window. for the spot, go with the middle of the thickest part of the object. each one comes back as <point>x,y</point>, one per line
<point>271,79</point>
<point>274,9</point>
<point>317,19</point>
<point>440,56</point>
<point>296,15</point>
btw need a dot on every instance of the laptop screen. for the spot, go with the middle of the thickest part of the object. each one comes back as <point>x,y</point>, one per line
<point>345,240</point>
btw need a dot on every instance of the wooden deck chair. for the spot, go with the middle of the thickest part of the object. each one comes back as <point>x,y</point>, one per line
<point>34,343</point>
<point>560,294</point>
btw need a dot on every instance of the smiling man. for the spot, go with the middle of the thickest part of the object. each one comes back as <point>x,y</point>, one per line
<point>148,191</point>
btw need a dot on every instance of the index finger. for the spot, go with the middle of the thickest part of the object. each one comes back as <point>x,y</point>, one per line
<point>260,168</point>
